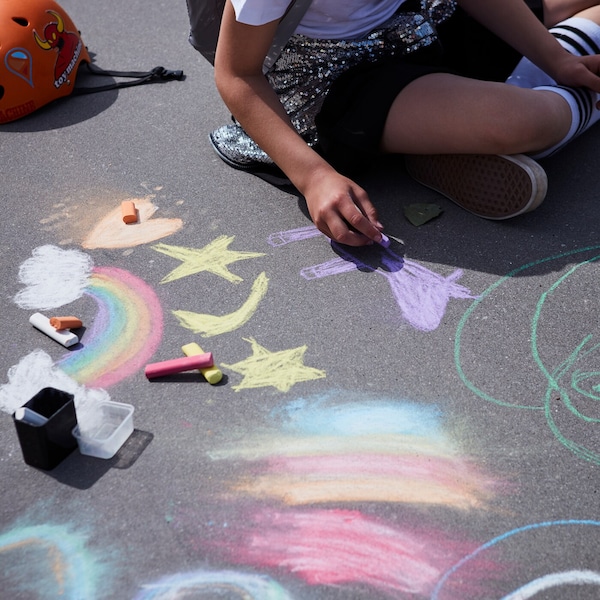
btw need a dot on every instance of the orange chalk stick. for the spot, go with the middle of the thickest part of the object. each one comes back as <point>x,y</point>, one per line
<point>129,211</point>
<point>65,322</point>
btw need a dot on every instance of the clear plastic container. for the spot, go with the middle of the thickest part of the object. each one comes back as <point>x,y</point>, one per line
<point>115,425</point>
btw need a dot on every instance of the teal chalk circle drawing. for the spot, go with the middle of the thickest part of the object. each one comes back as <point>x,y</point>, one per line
<point>543,343</point>
<point>565,563</point>
<point>51,561</point>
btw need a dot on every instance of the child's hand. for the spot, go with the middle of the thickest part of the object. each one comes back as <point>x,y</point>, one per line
<point>342,210</point>
<point>578,71</point>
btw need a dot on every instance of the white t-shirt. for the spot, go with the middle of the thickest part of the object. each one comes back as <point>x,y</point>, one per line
<point>324,19</point>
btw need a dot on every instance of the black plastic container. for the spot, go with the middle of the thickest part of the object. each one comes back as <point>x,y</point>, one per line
<point>45,446</point>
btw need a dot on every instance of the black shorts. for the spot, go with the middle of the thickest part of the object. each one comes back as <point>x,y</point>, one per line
<point>351,121</point>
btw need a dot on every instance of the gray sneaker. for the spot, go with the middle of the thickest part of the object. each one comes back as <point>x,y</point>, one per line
<point>492,186</point>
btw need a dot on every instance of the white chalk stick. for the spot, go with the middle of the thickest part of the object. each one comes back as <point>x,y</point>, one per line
<point>30,416</point>
<point>62,336</point>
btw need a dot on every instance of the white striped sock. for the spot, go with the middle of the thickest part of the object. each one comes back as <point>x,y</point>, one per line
<point>578,36</point>
<point>582,103</point>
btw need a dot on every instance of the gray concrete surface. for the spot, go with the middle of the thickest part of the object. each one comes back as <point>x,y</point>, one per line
<point>420,423</point>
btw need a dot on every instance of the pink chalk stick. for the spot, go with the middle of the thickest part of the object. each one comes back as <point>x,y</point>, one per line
<point>178,365</point>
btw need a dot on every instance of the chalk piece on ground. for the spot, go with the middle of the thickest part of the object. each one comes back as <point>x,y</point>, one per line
<point>211,374</point>
<point>30,416</point>
<point>385,241</point>
<point>129,211</point>
<point>178,365</point>
<point>62,336</point>
<point>65,322</point>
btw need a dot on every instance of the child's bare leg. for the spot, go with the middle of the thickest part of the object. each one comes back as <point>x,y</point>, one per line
<point>579,35</point>
<point>447,114</point>
<point>481,123</point>
<point>465,139</point>
<point>559,10</point>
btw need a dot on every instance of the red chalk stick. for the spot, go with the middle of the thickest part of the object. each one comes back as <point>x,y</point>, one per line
<point>129,211</point>
<point>66,322</point>
<point>178,365</point>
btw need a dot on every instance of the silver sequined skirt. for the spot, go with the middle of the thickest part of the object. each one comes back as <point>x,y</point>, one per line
<point>307,67</point>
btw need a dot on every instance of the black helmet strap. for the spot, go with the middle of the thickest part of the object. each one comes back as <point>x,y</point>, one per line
<point>156,75</point>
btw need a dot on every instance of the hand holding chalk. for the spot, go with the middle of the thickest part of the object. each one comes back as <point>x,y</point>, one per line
<point>386,241</point>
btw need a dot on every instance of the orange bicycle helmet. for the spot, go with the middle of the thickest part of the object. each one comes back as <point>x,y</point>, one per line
<point>40,52</point>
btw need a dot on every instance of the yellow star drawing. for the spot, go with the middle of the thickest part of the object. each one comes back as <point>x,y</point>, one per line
<point>278,369</point>
<point>214,258</point>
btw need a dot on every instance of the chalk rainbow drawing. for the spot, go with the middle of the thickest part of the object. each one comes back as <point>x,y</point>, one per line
<point>247,586</point>
<point>61,566</point>
<point>292,506</point>
<point>572,393</point>
<point>344,547</point>
<point>421,294</point>
<point>559,544</point>
<point>331,450</point>
<point>125,333</point>
<point>129,322</point>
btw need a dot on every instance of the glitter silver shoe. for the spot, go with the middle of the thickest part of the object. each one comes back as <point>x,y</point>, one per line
<point>492,186</point>
<point>236,148</point>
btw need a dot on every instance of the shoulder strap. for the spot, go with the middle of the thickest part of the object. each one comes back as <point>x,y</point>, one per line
<point>205,21</point>
<point>286,28</point>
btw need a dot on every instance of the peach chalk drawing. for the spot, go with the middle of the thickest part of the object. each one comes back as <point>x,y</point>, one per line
<point>280,370</point>
<point>212,258</point>
<point>112,232</point>
<point>211,325</point>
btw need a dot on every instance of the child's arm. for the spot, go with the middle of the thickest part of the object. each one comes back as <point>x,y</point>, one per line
<point>339,208</point>
<point>513,21</point>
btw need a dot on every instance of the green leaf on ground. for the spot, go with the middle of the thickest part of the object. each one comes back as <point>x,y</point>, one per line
<point>419,214</point>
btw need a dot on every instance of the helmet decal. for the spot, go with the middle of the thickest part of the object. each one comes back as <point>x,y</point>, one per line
<point>52,32</point>
<point>67,44</point>
<point>18,62</point>
<point>41,51</point>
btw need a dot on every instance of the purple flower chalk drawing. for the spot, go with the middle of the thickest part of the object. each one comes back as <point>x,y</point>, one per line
<point>421,294</point>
